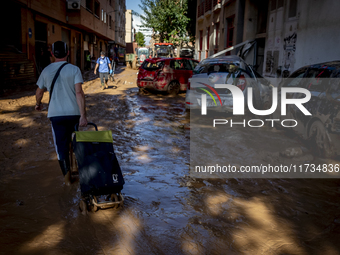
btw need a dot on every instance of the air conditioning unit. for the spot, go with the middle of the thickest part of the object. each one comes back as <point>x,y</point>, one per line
<point>73,4</point>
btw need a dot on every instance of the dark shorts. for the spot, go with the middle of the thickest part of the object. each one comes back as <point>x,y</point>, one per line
<point>103,76</point>
<point>62,129</point>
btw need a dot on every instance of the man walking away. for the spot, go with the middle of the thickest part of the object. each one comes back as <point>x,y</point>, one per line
<point>104,68</point>
<point>67,102</point>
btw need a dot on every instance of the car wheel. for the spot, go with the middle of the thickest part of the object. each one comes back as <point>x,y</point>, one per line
<point>173,88</point>
<point>318,135</point>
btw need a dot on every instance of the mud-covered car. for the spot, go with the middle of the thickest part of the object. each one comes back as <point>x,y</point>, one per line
<point>225,70</point>
<point>322,127</point>
<point>166,74</point>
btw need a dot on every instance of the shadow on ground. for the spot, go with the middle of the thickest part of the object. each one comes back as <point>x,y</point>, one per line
<point>166,210</point>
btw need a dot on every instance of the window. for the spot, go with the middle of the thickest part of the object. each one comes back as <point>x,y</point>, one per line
<point>213,67</point>
<point>152,66</point>
<point>317,81</point>
<point>89,5</point>
<point>97,9</point>
<point>292,8</point>
<point>295,78</point>
<point>193,64</point>
<point>272,5</point>
<point>181,64</point>
<point>275,4</point>
<point>104,17</point>
<point>262,19</point>
<point>217,27</point>
<point>52,29</point>
<point>230,32</point>
<point>201,40</point>
<point>208,37</point>
<point>110,25</point>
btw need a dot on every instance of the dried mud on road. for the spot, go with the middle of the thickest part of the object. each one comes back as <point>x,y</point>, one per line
<point>166,210</point>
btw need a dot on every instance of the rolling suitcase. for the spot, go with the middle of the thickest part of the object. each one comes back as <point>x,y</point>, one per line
<point>100,176</point>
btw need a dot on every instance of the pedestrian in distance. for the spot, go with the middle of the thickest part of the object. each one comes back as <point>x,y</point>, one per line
<point>67,102</point>
<point>88,61</point>
<point>105,68</point>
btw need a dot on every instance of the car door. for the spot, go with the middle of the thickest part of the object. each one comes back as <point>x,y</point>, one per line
<point>316,79</point>
<point>193,63</point>
<point>182,70</point>
<point>218,72</point>
<point>292,81</point>
<point>317,82</point>
<point>332,105</point>
<point>188,70</point>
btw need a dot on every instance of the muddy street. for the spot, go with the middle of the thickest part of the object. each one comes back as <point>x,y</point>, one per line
<point>166,211</point>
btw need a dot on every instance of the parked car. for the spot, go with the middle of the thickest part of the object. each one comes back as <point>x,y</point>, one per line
<point>186,53</point>
<point>322,128</point>
<point>222,70</point>
<point>166,74</point>
<point>142,54</point>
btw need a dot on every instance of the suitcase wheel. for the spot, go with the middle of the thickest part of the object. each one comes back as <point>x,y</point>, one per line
<point>83,207</point>
<point>94,208</point>
<point>115,198</point>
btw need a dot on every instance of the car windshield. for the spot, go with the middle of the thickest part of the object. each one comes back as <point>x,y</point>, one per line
<point>152,66</point>
<point>163,51</point>
<point>212,67</point>
<point>140,52</point>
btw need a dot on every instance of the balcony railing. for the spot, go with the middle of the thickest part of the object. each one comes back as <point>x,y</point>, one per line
<point>208,5</point>
<point>200,10</point>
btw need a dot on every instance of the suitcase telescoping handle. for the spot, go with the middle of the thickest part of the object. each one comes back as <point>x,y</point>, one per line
<point>76,127</point>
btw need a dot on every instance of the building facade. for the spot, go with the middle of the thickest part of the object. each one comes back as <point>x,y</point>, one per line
<point>129,36</point>
<point>120,23</point>
<point>32,26</point>
<point>285,34</point>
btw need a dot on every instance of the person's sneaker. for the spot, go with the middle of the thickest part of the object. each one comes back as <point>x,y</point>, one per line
<point>106,86</point>
<point>103,87</point>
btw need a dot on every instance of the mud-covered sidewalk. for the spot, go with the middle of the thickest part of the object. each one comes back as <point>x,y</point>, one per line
<point>166,211</point>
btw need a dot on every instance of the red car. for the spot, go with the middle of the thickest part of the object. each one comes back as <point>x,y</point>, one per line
<point>166,74</point>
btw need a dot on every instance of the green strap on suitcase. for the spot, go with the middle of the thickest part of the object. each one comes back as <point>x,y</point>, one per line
<point>94,136</point>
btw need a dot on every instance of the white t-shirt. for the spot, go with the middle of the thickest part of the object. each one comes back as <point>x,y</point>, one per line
<point>63,101</point>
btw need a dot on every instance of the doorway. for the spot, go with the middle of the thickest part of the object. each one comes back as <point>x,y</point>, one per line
<point>66,37</point>
<point>10,25</point>
<point>77,50</point>
<point>41,57</point>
